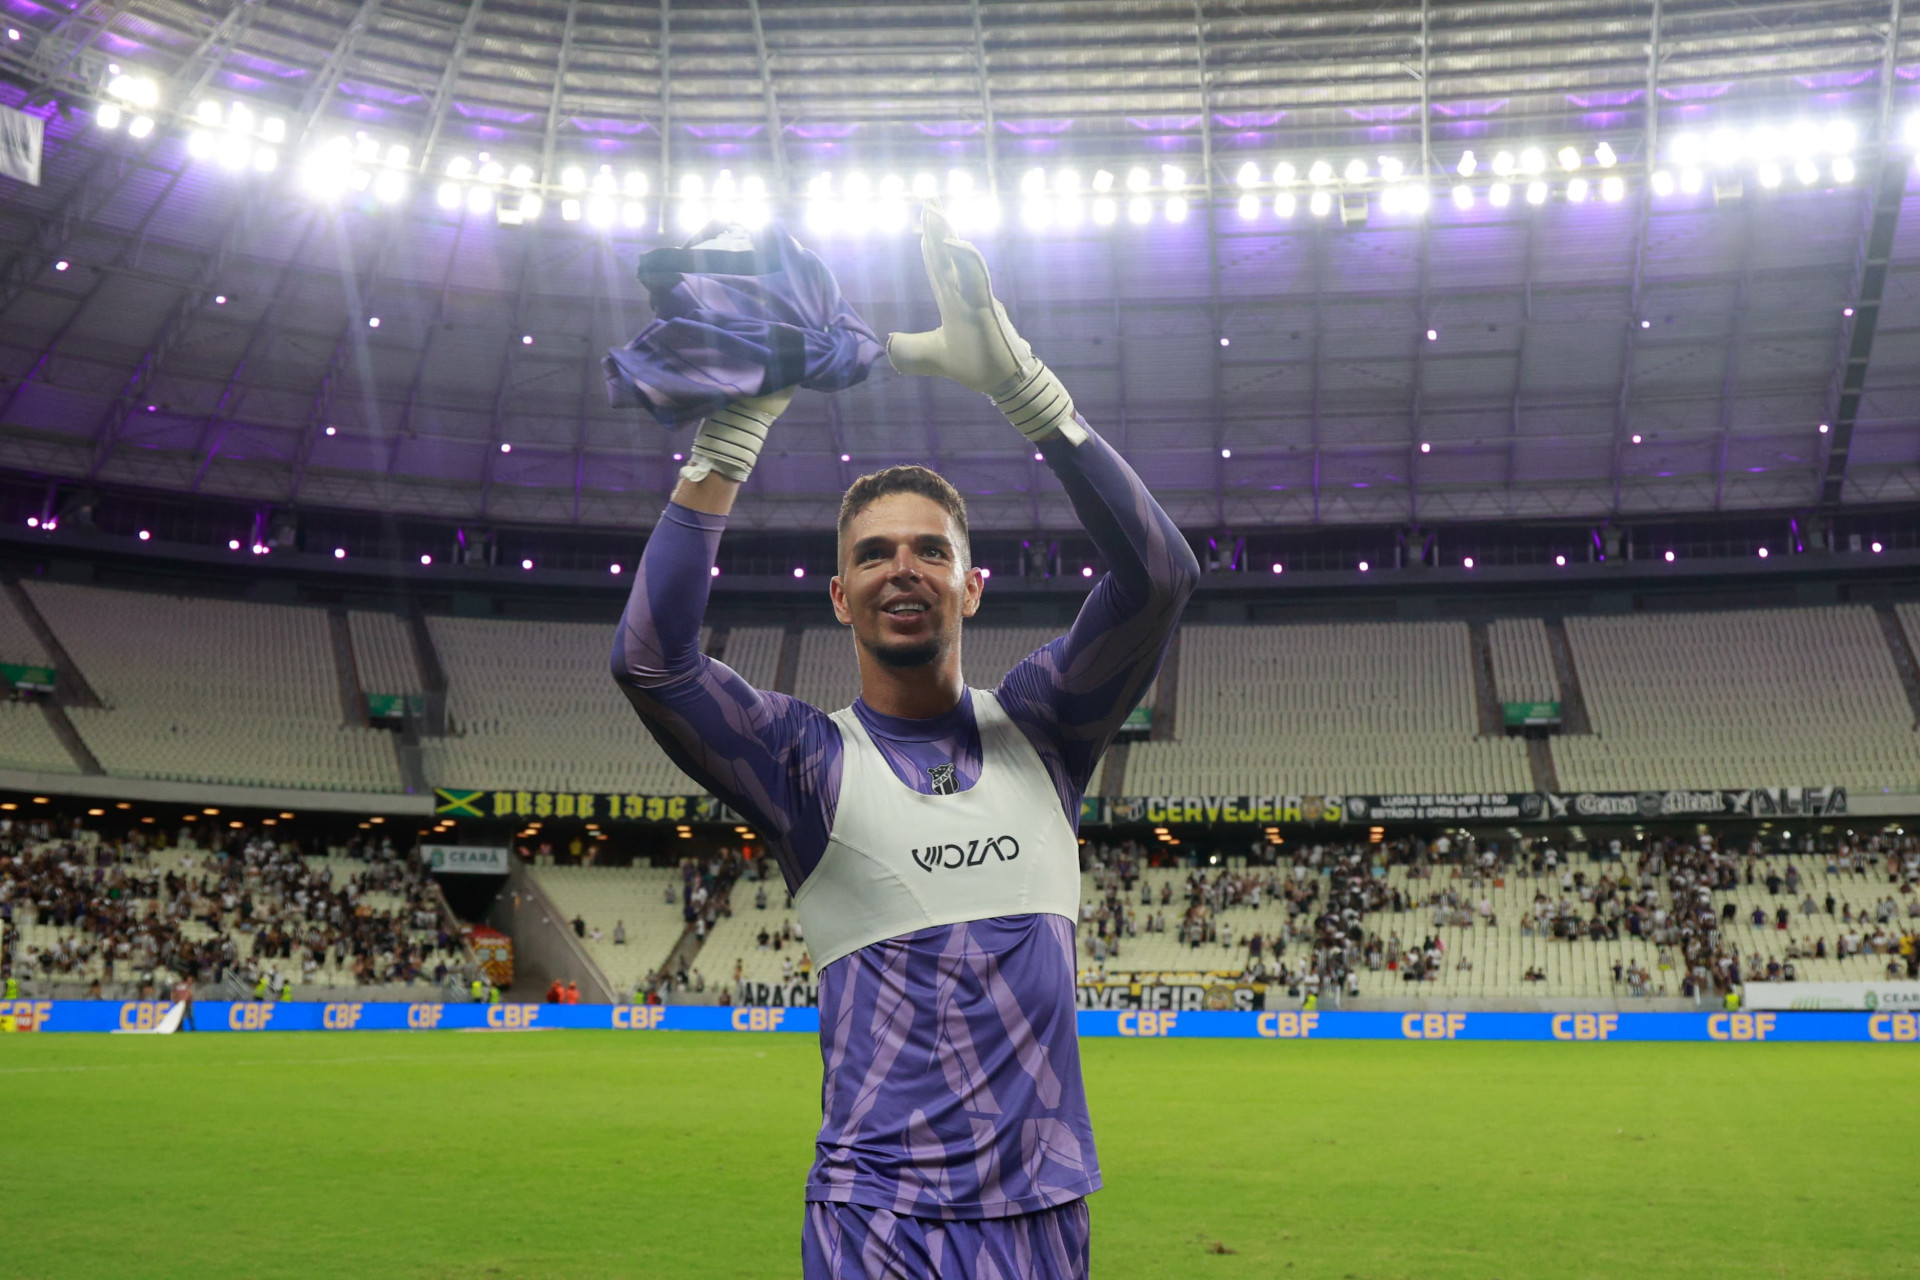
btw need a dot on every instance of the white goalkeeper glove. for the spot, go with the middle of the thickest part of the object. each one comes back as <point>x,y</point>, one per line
<point>729,441</point>
<point>976,344</point>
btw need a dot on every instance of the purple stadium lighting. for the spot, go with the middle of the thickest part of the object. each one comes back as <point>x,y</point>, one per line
<point>1425,447</point>
<point>1823,428</point>
<point>1669,557</point>
<point>219,299</point>
<point>1086,571</point>
<point>1763,553</point>
<point>714,572</point>
<point>1226,453</point>
<point>61,265</point>
<point>613,569</point>
<point>339,553</point>
<point>1225,342</point>
<point>145,536</point>
<point>426,559</point>
<point>985,572</point>
<point>1847,312</point>
<point>526,339</point>
<point>1560,561</point>
<point>1876,548</point>
<point>1363,566</point>
<point>1278,567</point>
<point>373,322</point>
<point>1038,458</point>
<point>233,544</point>
<point>1467,563</point>
<point>332,431</point>
<point>1646,324</point>
<point>33,522</point>
<point>681,457</point>
<point>505,447</point>
<point>845,457</point>
<point>1636,437</point>
<point>1433,335</point>
<point>526,564</point>
<point>799,572</point>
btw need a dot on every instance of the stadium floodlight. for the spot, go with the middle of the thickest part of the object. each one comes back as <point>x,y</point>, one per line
<point>601,211</point>
<point>1685,149</point>
<point>1249,207</point>
<point>479,199</point>
<point>1603,155</point>
<point>1068,211</point>
<point>137,91</point>
<point>450,195</point>
<point>925,186</point>
<point>1391,169</point>
<point>1725,147</point>
<point>604,183</point>
<point>200,144</point>
<point>1843,170</point>
<point>397,156</point>
<point>1391,200</point>
<point>141,126</point>
<point>1248,175</point>
<point>273,129</point>
<point>1283,174</point>
<point>1104,211</point>
<point>1576,191</point>
<point>1533,160</point>
<point>531,206</point>
<point>373,322</point>
<point>573,178</point>
<point>208,113</point>
<point>1033,182</point>
<point>693,213</point>
<point>1138,179</point>
<point>265,159</point>
<point>1462,196</point>
<point>1356,170</point>
<point>1764,142</point>
<point>633,215</point>
<point>820,186</point>
<point>634,185</point>
<point>232,151</point>
<point>389,186</point>
<point>1769,174</point>
<point>960,182</point>
<point>365,149</point>
<point>1173,177</point>
<point>1840,136</point>
<point>1691,180</point>
<point>1502,163</point>
<point>1102,181</point>
<point>460,168</point>
<point>1537,192</point>
<point>1468,163</point>
<point>1418,198</point>
<point>1176,209</point>
<point>570,210</point>
<point>1139,211</point>
<point>1499,194</point>
<point>1036,213</point>
<point>239,118</point>
<point>1284,204</point>
<point>108,115</point>
<point>692,186</point>
<point>1569,158</point>
<point>1319,173</point>
<point>1662,183</point>
<point>1320,204</point>
<point>1613,188</point>
<point>1668,557</point>
<point>1807,171</point>
<point>1066,181</point>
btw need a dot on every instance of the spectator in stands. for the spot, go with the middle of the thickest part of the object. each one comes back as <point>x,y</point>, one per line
<point>579,927</point>
<point>619,933</point>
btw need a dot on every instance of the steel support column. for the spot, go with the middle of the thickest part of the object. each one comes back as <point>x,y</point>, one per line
<point>776,132</point>
<point>313,103</point>
<point>986,102</point>
<point>553,100</point>
<point>443,92</point>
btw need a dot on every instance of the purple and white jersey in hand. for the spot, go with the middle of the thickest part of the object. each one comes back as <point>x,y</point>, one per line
<point>952,1065</point>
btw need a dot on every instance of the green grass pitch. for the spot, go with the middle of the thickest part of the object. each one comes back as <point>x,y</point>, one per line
<point>587,1154</point>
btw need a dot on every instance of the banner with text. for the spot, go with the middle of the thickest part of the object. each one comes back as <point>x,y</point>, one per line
<point>1884,1027</point>
<point>1869,997</point>
<point>465,859</point>
<point>1255,810</point>
<point>1523,806</point>
<point>1752,802</point>
<point>603,806</point>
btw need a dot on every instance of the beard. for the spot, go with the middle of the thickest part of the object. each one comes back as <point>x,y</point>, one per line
<point>901,657</point>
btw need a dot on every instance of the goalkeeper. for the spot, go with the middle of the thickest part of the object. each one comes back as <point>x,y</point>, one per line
<point>927,832</point>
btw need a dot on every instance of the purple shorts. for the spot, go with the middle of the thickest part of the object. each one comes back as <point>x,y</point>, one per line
<point>854,1242</point>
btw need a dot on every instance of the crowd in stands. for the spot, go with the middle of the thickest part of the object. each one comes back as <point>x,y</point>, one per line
<point>1342,900</point>
<point>141,912</point>
<point>705,897</point>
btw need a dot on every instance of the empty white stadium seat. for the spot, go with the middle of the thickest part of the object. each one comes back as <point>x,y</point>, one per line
<point>383,653</point>
<point>1522,662</point>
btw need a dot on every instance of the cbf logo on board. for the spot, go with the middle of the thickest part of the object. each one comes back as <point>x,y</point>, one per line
<point>972,854</point>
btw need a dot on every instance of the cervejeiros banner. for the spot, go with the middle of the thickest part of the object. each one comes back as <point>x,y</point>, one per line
<point>465,859</point>
<point>1248,810</point>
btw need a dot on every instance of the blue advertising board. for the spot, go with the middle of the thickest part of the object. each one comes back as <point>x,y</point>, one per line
<point>144,1016</point>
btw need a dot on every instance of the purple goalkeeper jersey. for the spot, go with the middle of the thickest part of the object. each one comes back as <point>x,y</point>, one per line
<point>952,1066</point>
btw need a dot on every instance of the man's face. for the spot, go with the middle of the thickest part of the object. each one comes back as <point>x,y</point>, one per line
<point>904,584</point>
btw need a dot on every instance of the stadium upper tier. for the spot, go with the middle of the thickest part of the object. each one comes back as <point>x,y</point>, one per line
<point>1728,699</point>
<point>222,691</point>
<point>212,691</point>
<point>1326,709</point>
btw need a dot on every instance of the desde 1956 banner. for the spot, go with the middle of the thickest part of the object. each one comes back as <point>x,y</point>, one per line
<point>605,806</point>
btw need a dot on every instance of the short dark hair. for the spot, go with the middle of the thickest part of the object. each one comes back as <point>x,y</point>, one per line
<point>870,488</point>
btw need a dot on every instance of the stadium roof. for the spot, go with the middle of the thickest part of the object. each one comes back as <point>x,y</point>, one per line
<point>1657,322</point>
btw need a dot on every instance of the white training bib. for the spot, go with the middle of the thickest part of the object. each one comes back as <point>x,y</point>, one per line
<point>898,860</point>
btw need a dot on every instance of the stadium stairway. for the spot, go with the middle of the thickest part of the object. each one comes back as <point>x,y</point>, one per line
<point>1493,723</point>
<point>1573,702</point>
<point>353,698</point>
<point>1901,645</point>
<point>544,948</point>
<point>70,685</point>
<point>1166,697</point>
<point>433,675</point>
